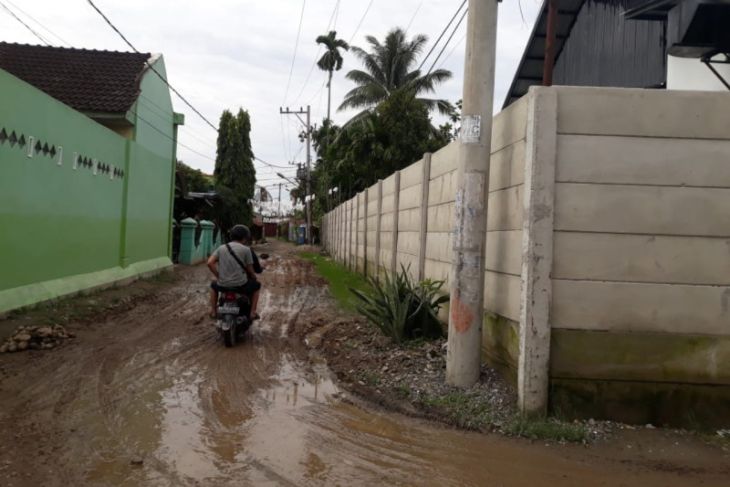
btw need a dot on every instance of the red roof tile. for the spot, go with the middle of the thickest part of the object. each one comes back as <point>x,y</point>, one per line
<point>86,80</point>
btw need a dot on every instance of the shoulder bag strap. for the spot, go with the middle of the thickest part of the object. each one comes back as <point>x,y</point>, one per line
<point>233,254</point>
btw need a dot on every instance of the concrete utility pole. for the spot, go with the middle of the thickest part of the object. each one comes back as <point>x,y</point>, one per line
<point>278,210</point>
<point>308,177</point>
<point>467,276</point>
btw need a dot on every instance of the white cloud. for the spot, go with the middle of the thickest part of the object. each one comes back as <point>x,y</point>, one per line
<point>232,53</point>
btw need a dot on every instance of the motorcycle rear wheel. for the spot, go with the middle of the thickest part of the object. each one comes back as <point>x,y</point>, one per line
<point>229,336</point>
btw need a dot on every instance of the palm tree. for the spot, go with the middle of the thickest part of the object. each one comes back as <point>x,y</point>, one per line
<point>388,69</point>
<point>331,60</point>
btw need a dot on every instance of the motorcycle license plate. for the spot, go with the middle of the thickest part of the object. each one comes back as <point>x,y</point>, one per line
<point>229,310</point>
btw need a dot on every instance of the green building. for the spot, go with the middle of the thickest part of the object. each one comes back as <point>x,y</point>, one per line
<point>87,152</point>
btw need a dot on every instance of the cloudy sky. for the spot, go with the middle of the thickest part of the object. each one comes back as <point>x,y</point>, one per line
<point>238,53</point>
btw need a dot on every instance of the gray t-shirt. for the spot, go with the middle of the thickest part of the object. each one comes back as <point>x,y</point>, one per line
<point>230,273</point>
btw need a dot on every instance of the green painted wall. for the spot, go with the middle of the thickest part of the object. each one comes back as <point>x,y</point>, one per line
<point>63,229</point>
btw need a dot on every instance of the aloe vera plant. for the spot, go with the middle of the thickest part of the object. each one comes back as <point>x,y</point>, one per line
<point>401,308</point>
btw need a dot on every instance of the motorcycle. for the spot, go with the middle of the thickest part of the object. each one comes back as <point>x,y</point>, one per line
<point>234,309</point>
<point>233,312</point>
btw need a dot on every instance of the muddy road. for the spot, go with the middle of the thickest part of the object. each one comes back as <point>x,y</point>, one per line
<point>149,396</point>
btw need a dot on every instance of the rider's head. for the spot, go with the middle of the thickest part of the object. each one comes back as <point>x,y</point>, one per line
<point>240,233</point>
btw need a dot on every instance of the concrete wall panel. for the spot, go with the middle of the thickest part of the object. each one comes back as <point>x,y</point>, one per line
<point>411,175</point>
<point>441,218</point>
<point>641,258</point>
<point>410,197</point>
<point>409,220</point>
<point>438,271</point>
<point>504,252</point>
<point>502,294</point>
<point>509,125</point>
<point>641,307</point>
<point>507,167</point>
<point>442,189</point>
<point>409,243</point>
<point>505,209</point>
<point>439,246</point>
<point>444,160</point>
<point>642,160</point>
<point>642,209</point>
<point>643,113</point>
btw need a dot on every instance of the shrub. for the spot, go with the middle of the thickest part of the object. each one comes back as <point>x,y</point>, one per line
<point>402,309</point>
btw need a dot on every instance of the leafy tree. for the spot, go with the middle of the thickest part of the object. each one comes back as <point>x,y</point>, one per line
<point>388,69</point>
<point>331,60</point>
<point>235,175</point>
<point>392,136</point>
<point>192,179</point>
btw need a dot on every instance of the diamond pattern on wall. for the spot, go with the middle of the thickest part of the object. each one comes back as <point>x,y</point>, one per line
<point>35,147</point>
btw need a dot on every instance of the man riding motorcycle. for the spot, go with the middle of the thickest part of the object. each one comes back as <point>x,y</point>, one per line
<point>233,266</point>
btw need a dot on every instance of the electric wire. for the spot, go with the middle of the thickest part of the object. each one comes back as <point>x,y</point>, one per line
<point>294,56</point>
<point>447,41</point>
<point>63,41</point>
<point>413,17</point>
<point>359,24</point>
<point>40,37</point>
<point>423,61</point>
<point>319,49</point>
<point>164,80</point>
<point>452,50</point>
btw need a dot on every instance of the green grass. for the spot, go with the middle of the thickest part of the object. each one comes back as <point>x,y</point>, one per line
<point>546,429</point>
<point>340,279</point>
<point>463,410</point>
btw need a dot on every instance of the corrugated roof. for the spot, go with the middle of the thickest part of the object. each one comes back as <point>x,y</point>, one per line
<point>86,80</point>
<point>529,71</point>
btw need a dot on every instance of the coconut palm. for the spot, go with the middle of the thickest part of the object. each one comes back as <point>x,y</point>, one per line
<point>331,60</point>
<point>388,68</point>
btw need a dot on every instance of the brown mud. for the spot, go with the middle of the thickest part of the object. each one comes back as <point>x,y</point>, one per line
<point>146,394</point>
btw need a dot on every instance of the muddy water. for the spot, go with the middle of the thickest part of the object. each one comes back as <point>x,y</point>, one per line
<point>151,397</point>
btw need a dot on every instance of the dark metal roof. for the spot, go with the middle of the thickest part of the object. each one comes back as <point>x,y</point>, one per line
<point>529,71</point>
<point>86,80</point>
<point>651,10</point>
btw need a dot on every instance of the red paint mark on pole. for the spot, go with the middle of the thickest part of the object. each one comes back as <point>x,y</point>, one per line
<point>461,315</point>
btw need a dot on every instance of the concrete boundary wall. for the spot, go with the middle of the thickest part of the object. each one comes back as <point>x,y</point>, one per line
<point>607,271</point>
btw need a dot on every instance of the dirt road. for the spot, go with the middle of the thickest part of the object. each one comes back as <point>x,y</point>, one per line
<point>149,396</point>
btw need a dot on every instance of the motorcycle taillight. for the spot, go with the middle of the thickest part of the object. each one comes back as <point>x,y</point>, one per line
<point>230,296</point>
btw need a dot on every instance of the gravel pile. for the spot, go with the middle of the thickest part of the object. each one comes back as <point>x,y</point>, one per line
<point>35,338</point>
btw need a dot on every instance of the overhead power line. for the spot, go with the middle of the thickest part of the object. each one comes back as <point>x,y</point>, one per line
<point>272,165</point>
<point>452,50</point>
<point>447,41</point>
<point>164,80</point>
<point>319,49</point>
<point>40,37</point>
<point>294,56</point>
<point>63,41</point>
<point>359,24</point>
<point>413,17</point>
<point>430,51</point>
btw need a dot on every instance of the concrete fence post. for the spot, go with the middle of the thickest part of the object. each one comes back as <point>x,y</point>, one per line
<point>366,197</point>
<point>537,251</point>
<point>357,229</point>
<point>396,211</point>
<point>187,241</point>
<point>378,227</point>
<point>206,238</point>
<point>349,236</point>
<point>425,180</point>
